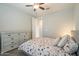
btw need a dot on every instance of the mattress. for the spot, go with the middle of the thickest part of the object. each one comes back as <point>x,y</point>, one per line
<point>42,47</point>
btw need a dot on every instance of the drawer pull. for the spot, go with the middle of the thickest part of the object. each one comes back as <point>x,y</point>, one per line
<point>24,36</point>
<point>26,33</point>
<point>9,35</point>
<point>12,46</point>
<point>12,42</point>
<point>24,39</point>
<point>12,38</point>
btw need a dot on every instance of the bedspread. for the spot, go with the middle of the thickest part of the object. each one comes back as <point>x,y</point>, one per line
<point>42,47</point>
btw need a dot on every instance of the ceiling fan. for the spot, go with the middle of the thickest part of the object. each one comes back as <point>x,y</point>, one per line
<point>37,5</point>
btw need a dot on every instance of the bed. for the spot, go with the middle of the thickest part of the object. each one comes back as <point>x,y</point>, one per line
<point>64,46</point>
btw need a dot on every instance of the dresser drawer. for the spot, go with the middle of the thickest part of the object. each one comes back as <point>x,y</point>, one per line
<point>23,34</point>
<point>22,41</point>
<point>15,35</point>
<point>7,35</point>
<point>9,47</point>
<point>6,40</point>
<point>9,43</point>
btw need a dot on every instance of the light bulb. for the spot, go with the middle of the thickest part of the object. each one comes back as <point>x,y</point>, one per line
<point>36,6</point>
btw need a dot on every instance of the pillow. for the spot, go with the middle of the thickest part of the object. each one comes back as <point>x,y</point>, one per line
<point>78,52</point>
<point>71,46</point>
<point>56,41</point>
<point>63,41</point>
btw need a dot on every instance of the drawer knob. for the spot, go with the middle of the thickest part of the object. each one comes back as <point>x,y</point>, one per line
<point>12,42</point>
<point>9,35</point>
<point>12,38</point>
<point>24,39</point>
<point>12,46</point>
<point>24,35</point>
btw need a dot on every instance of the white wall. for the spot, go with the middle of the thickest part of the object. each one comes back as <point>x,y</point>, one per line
<point>58,23</point>
<point>75,33</point>
<point>54,25</point>
<point>76,16</point>
<point>12,19</point>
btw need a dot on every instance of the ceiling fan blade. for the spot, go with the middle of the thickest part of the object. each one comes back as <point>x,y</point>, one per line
<point>41,3</point>
<point>42,8</point>
<point>28,5</point>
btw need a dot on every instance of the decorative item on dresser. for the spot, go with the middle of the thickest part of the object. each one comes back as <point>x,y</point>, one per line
<point>11,40</point>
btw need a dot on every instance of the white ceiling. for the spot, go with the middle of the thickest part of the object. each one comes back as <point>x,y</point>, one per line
<point>54,7</point>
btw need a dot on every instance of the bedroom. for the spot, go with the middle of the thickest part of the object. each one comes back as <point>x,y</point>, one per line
<point>19,24</point>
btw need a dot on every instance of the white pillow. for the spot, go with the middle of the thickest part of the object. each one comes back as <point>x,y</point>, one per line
<point>71,46</point>
<point>56,41</point>
<point>63,41</point>
<point>78,52</point>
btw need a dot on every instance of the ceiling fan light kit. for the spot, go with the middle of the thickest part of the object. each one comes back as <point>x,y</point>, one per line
<point>37,6</point>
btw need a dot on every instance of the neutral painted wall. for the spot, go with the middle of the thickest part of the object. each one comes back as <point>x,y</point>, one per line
<point>13,19</point>
<point>58,23</point>
<point>76,16</point>
<point>75,32</point>
<point>54,25</point>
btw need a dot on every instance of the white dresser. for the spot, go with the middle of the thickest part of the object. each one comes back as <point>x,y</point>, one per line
<point>11,40</point>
